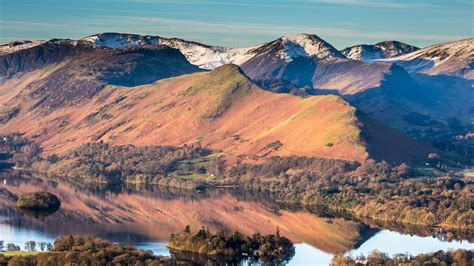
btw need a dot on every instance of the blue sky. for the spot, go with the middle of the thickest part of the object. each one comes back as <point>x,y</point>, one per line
<point>239,23</point>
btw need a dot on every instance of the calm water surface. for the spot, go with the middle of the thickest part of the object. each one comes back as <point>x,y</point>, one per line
<point>145,217</point>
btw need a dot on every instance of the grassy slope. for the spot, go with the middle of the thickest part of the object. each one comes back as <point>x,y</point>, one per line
<point>221,109</point>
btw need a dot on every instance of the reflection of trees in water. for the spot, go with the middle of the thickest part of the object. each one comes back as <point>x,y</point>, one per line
<point>37,214</point>
<point>269,200</point>
<point>4,166</point>
<point>443,234</point>
<point>54,227</point>
<point>16,178</point>
<point>372,226</point>
<point>5,163</point>
<point>190,258</point>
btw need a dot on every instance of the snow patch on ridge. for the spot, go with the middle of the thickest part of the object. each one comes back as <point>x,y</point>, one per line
<point>364,53</point>
<point>306,45</point>
<point>203,56</point>
<point>10,47</point>
<point>210,57</point>
<point>440,53</point>
<point>382,50</point>
<point>452,59</point>
<point>116,40</point>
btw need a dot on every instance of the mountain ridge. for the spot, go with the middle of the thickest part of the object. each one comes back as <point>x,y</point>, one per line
<point>209,56</point>
<point>380,50</point>
<point>223,110</point>
<point>301,64</point>
<point>451,58</point>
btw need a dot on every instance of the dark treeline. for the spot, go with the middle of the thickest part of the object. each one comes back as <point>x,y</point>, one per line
<point>449,135</point>
<point>375,190</point>
<point>38,201</point>
<point>456,257</point>
<point>234,247</point>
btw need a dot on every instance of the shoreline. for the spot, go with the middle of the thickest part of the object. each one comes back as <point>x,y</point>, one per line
<point>200,186</point>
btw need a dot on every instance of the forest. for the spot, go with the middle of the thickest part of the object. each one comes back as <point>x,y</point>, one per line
<point>234,246</point>
<point>375,190</point>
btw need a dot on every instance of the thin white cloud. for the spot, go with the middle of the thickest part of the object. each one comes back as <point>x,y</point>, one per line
<point>208,3</point>
<point>177,26</point>
<point>372,3</point>
<point>238,34</point>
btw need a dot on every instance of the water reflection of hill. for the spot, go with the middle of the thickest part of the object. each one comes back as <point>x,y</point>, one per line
<point>160,211</point>
<point>143,213</point>
<point>412,229</point>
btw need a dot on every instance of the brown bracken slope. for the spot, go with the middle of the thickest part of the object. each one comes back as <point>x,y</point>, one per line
<point>222,110</point>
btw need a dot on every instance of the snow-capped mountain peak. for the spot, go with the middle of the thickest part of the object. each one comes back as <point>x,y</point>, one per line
<point>116,40</point>
<point>210,57</point>
<point>287,48</point>
<point>204,56</point>
<point>381,50</point>
<point>461,49</point>
<point>451,58</point>
<point>307,45</point>
<point>363,52</point>
<point>395,48</point>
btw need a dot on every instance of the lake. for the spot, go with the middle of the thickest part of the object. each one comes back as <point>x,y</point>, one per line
<point>146,216</point>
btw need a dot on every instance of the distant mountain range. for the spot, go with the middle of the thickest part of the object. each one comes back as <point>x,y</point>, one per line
<point>381,50</point>
<point>141,90</point>
<point>451,59</point>
<point>289,48</point>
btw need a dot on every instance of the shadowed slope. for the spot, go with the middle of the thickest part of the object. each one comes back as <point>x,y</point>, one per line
<point>59,73</point>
